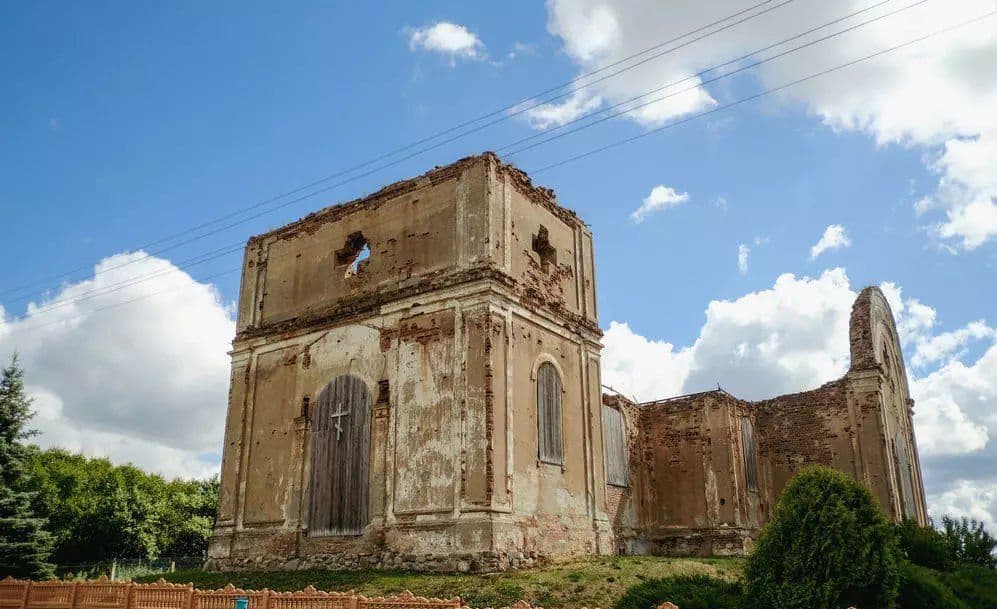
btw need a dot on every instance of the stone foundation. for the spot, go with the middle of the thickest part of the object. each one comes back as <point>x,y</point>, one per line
<point>471,546</point>
<point>694,543</point>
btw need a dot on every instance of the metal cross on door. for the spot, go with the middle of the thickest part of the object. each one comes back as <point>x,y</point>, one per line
<point>340,459</point>
<point>338,425</point>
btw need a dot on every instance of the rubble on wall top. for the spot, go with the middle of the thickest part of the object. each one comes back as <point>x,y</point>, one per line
<point>540,195</point>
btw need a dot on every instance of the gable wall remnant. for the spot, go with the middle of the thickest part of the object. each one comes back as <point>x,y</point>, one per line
<point>689,493</point>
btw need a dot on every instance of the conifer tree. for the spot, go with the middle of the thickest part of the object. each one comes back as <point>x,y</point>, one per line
<point>25,546</point>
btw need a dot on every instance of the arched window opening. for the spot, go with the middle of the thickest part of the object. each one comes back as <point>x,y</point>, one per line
<point>550,444</point>
<point>354,254</point>
<point>749,451</point>
<point>614,439</point>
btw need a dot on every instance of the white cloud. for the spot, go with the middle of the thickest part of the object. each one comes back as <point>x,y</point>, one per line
<point>965,498</point>
<point>790,337</point>
<point>834,237</point>
<point>550,115</point>
<point>935,95</point>
<point>744,251</point>
<point>144,382</point>
<point>943,346</point>
<point>794,336</point>
<point>521,48</point>
<point>447,38</point>
<point>957,405</point>
<point>639,367</point>
<point>661,198</point>
<point>742,258</point>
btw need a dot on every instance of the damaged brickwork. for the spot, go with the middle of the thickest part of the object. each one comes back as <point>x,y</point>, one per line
<point>690,489</point>
<point>398,359</point>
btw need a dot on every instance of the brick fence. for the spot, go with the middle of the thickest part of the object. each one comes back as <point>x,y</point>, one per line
<point>106,594</point>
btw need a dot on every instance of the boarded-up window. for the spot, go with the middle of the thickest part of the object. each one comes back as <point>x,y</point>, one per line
<point>902,460</point>
<point>750,455</point>
<point>614,441</point>
<point>551,447</point>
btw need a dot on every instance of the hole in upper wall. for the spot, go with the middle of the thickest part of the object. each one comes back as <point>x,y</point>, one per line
<point>354,254</point>
<point>543,248</point>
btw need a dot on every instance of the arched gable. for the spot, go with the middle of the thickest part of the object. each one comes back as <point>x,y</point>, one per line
<point>875,346</point>
<point>874,340</point>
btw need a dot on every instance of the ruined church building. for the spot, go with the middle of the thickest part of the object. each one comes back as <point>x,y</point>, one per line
<point>416,384</point>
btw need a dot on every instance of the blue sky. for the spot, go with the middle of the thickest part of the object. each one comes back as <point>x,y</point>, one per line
<point>126,123</point>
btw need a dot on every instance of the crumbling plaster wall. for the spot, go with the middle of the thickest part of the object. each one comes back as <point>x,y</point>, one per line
<point>688,472</point>
<point>689,496</point>
<point>445,324</point>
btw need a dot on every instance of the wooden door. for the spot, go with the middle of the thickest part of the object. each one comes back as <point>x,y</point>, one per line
<point>340,458</point>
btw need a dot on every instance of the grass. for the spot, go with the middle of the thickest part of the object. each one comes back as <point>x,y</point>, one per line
<point>589,582</point>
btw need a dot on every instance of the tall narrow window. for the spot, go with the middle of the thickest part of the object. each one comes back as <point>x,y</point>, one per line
<point>750,456</point>
<point>902,462</point>
<point>551,447</point>
<point>614,446</point>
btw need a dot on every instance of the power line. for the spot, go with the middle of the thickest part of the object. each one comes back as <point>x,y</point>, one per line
<point>602,112</point>
<point>237,245</point>
<point>756,96</point>
<point>502,110</point>
<point>231,248</point>
<point>628,140</point>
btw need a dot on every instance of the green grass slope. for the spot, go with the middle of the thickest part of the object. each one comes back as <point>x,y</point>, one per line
<point>590,582</point>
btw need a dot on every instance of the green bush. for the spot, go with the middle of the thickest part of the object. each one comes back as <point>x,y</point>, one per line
<point>920,588</point>
<point>974,585</point>
<point>827,546</point>
<point>924,546</point>
<point>686,591</point>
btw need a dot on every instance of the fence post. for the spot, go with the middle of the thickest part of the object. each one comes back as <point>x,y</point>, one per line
<point>72,597</point>
<point>128,595</point>
<point>26,595</point>
<point>266,598</point>
<point>354,601</point>
<point>189,601</point>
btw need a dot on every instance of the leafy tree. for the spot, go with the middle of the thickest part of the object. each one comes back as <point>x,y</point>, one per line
<point>920,588</point>
<point>828,546</point>
<point>191,517</point>
<point>970,543</point>
<point>974,585</point>
<point>25,546</point>
<point>99,511</point>
<point>925,546</point>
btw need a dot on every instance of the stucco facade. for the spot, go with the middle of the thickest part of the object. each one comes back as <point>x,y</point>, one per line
<point>416,383</point>
<point>475,280</point>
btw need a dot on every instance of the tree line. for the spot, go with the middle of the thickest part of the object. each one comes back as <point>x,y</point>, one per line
<point>60,508</point>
